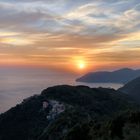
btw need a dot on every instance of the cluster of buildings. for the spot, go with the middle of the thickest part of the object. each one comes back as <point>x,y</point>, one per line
<point>56,108</point>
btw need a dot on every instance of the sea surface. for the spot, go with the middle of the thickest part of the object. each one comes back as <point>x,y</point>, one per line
<point>19,83</point>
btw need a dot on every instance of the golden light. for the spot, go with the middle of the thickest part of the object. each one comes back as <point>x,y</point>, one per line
<point>81,65</point>
<point>16,41</point>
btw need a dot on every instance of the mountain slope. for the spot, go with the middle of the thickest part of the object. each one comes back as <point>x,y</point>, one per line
<point>54,113</point>
<point>118,76</point>
<point>132,88</point>
<point>125,126</point>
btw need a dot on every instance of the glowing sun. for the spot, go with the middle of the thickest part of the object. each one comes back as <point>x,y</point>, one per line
<point>81,65</point>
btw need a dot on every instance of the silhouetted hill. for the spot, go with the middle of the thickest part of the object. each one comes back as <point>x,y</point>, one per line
<point>59,111</point>
<point>132,88</point>
<point>119,76</point>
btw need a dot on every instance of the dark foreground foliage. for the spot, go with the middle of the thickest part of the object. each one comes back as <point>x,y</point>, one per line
<point>90,114</point>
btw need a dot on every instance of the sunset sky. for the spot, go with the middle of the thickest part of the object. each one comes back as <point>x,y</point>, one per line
<point>70,34</point>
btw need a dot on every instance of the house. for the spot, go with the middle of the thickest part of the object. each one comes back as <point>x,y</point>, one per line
<point>45,104</point>
<point>57,108</point>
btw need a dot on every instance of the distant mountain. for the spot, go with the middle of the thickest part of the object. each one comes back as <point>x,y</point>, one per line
<point>118,76</point>
<point>62,113</point>
<point>132,88</point>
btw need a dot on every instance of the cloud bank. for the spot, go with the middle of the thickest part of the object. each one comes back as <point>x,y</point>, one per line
<point>56,31</point>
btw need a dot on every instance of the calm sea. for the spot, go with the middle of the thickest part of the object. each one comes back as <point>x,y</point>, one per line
<point>18,83</point>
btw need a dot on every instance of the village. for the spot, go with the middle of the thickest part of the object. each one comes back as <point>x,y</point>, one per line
<point>56,108</point>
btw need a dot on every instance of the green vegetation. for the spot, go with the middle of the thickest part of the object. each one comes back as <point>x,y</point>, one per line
<point>90,113</point>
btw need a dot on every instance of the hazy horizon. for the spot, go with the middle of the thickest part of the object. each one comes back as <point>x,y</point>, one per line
<point>17,84</point>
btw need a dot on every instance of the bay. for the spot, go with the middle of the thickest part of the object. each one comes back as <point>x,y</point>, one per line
<point>17,84</point>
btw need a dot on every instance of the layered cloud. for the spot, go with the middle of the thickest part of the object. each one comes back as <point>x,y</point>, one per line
<point>56,31</point>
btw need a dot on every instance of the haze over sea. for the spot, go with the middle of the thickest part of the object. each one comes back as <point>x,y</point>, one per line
<point>19,83</point>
